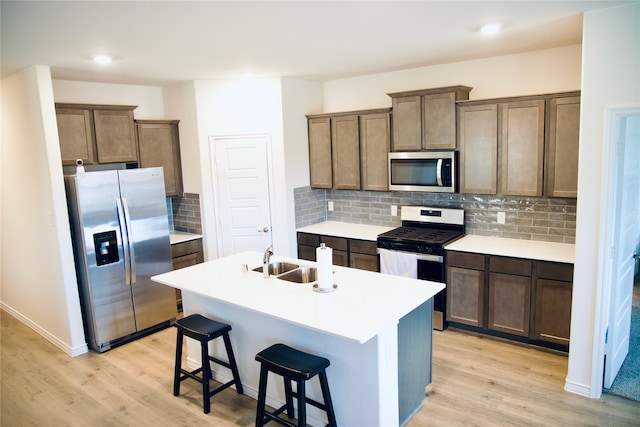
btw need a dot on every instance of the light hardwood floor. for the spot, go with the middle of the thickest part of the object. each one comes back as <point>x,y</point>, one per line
<point>476,381</point>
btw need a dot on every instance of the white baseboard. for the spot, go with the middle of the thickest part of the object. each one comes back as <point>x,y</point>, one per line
<point>71,351</point>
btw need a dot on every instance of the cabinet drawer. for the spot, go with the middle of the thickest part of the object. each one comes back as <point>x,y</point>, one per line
<point>364,247</point>
<point>517,266</point>
<point>309,239</point>
<point>465,260</point>
<point>186,248</point>
<point>336,243</point>
<point>554,271</point>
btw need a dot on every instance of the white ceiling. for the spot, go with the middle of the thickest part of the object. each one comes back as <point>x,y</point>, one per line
<point>158,42</point>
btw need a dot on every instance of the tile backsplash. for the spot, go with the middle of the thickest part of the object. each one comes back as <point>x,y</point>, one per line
<point>529,218</point>
<point>185,213</point>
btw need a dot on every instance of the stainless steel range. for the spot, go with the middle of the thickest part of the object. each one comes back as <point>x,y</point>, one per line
<point>416,249</point>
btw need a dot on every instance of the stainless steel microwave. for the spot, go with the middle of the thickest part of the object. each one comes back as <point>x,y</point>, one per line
<point>435,171</point>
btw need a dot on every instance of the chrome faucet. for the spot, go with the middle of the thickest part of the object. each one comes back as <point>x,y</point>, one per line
<point>265,261</point>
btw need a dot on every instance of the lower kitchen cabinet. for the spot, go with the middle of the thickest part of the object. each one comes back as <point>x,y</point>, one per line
<point>355,253</point>
<point>521,299</point>
<point>465,288</point>
<point>185,254</point>
<point>553,293</point>
<point>509,295</point>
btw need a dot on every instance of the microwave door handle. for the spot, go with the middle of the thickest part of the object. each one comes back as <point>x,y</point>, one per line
<point>439,172</point>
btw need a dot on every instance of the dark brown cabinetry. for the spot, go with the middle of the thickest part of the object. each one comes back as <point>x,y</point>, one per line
<point>553,293</point>
<point>522,299</point>
<point>355,253</point>
<point>96,133</point>
<point>185,254</point>
<point>503,143</point>
<point>348,151</point>
<point>466,288</point>
<point>159,146</point>
<point>426,119</point>
<point>509,295</point>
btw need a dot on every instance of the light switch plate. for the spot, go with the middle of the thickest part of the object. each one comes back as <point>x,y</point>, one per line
<point>501,217</point>
<point>394,210</point>
<point>330,206</point>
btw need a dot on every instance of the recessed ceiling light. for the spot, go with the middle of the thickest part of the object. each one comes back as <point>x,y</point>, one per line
<point>492,28</point>
<point>102,59</point>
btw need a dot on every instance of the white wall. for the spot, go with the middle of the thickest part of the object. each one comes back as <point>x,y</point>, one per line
<point>180,104</point>
<point>538,72</point>
<point>240,107</point>
<point>299,97</point>
<point>38,274</point>
<point>610,78</point>
<point>147,98</point>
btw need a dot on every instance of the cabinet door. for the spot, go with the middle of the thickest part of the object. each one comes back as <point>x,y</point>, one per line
<point>320,152</point>
<point>439,121</point>
<point>509,303</point>
<point>478,143</point>
<point>374,149</point>
<point>115,136</point>
<point>561,174</point>
<point>345,146</point>
<point>159,145</point>
<point>407,123</point>
<point>364,262</point>
<point>553,311</point>
<point>522,146</point>
<point>75,131</point>
<point>465,296</point>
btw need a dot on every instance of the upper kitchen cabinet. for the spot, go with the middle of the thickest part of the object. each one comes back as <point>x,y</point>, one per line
<point>96,133</point>
<point>348,151</point>
<point>563,131</point>
<point>77,138</point>
<point>503,144</point>
<point>375,141</point>
<point>345,148</point>
<point>426,119</point>
<point>159,145</point>
<point>478,143</point>
<point>320,166</point>
<point>522,146</point>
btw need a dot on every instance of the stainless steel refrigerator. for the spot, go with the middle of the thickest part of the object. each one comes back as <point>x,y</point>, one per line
<point>120,235</point>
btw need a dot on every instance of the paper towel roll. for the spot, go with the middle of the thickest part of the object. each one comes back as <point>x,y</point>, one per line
<point>324,258</point>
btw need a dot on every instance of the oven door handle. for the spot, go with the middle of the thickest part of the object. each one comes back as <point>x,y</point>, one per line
<point>422,257</point>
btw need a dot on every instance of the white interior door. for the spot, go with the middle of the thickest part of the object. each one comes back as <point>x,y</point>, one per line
<point>624,229</point>
<point>244,211</point>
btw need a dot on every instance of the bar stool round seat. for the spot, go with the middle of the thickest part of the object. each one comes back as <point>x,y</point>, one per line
<point>204,330</point>
<point>299,367</point>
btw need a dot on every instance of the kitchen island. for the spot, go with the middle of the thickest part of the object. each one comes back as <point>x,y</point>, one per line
<point>374,328</point>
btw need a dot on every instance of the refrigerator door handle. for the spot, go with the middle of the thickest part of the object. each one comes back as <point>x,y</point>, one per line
<point>125,242</point>
<point>132,254</point>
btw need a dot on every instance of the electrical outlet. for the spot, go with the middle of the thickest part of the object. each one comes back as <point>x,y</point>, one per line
<point>394,210</point>
<point>330,206</point>
<point>501,217</point>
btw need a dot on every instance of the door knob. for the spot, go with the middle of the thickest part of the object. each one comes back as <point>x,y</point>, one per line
<point>264,230</point>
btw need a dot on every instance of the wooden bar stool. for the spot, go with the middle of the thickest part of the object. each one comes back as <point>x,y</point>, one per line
<point>204,330</point>
<point>292,365</point>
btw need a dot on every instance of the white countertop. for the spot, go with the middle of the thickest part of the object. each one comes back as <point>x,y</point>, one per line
<point>347,230</point>
<point>530,249</point>
<point>181,236</point>
<point>364,303</point>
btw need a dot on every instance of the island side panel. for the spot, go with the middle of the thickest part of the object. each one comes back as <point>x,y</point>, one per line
<point>415,335</point>
<point>362,378</point>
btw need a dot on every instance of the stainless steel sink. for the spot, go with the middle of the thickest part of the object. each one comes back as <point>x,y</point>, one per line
<point>277,268</point>
<point>301,275</point>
